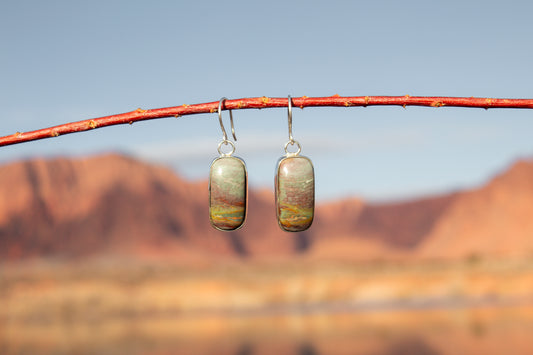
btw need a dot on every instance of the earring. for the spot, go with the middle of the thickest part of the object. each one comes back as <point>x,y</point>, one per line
<point>295,187</point>
<point>228,184</point>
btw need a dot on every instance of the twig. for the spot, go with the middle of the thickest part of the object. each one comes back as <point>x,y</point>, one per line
<point>259,103</point>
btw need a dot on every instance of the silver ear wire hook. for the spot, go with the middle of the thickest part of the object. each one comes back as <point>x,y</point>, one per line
<point>220,120</point>
<point>291,139</point>
<point>289,109</point>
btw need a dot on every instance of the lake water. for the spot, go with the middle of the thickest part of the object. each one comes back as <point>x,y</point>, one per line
<point>483,331</point>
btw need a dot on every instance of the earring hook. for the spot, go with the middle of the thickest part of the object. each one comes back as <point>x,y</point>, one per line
<point>220,120</point>
<point>291,139</point>
<point>289,110</point>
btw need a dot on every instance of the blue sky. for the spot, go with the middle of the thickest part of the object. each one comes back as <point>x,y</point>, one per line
<point>65,61</point>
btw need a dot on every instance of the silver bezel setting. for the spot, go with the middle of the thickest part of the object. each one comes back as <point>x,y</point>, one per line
<point>245,192</point>
<point>276,188</point>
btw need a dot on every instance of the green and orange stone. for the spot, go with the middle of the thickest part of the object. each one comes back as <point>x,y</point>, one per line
<point>295,193</point>
<point>227,193</point>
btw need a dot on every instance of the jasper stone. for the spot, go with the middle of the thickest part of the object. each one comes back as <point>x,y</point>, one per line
<point>295,193</point>
<point>227,193</point>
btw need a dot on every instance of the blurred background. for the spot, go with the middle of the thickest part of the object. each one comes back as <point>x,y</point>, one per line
<point>422,241</point>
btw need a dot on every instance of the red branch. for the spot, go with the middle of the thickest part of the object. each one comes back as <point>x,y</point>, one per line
<point>259,103</point>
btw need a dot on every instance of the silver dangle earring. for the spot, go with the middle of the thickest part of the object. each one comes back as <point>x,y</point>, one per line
<point>228,184</point>
<point>295,186</point>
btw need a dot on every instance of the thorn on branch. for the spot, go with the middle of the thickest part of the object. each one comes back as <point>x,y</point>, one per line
<point>302,106</point>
